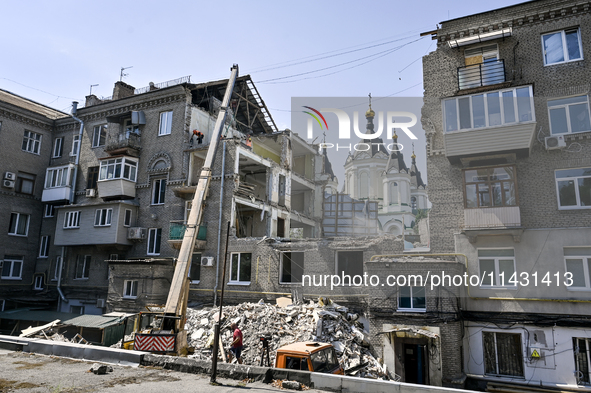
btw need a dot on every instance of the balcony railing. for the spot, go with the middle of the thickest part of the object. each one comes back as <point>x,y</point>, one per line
<point>492,217</point>
<point>483,74</point>
<point>177,231</point>
<point>123,140</point>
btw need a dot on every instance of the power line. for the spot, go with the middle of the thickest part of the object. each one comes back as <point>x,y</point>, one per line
<point>42,91</point>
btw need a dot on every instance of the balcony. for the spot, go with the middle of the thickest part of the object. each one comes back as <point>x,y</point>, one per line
<point>58,182</point>
<point>492,217</point>
<point>483,74</point>
<point>176,234</point>
<point>126,143</point>
<point>117,178</point>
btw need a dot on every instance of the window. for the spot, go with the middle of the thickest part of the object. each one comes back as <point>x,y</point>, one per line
<point>82,267</point>
<point>49,211</point>
<point>44,247</point>
<point>118,168</point>
<point>154,241</point>
<point>58,177</point>
<point>130,289</point>
<point>25,183</point>
<point>240,268</point>
<point>497,267</point>
<point>159,192</point>
<point>165,123</point>
<point>12,267</point>
<point>56,271</point>
<point>502,354</point>
<point>92,177</point>
<point>19,224</point>
<point>58,147</point>
<point>350,263</point>
<point>77,310</point>
<point>490,187</point>
<point>75,145</point>
<point>578,262</point>
<point>72,220</point>
<point>127,218</point>
<point>569,115</point>
<point>130,128</point>
<point>195,269</point>
<point>292,267</point>
<point>490,109</point>
<point>412,298</point>
<point>2,301</point>
<point>581,350</point>
<point>31,142</point>
<point>102,217</point>
<point>114,257</point>
<point>38,283</point>
<point>574,188</point>
<point>99,135</point>
<point>295,363</point>
<point>562,46</point>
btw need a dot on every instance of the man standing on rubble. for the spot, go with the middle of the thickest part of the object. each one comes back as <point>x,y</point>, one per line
<point>236,347</point>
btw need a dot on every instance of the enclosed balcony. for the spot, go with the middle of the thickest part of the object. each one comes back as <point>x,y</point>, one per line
<point>176,234</point>
<point>117,178</point>
<point>488,73</point>
<point>58,183</point>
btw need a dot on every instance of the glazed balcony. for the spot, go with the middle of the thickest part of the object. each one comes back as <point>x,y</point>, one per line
<point>176,234</point>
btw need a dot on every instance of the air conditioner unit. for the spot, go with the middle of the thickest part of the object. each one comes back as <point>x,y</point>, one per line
<point>555,142</point>
<point>136,233</point>
<point>9,176</point>
<point>206,261</point>
<point>8,183</point>
<point>90,192</point>
<point>100,303</point>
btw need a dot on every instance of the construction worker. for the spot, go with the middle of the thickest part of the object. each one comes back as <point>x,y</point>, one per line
<point>249,141</point>
<point>236,346</point>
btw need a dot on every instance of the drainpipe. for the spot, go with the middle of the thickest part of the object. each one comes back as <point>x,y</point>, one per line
<point>217,265</point>
<point>59,279</point>
<point>74,178</point>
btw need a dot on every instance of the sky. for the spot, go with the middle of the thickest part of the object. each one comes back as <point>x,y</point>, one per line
<point>53,51</point>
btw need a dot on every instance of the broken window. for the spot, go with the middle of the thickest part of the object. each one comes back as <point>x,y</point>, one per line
<point>292,267</point>
<point>581,351</point>
<point>240,268</point>
<point>195,269</point>
<point>294,363</point>
<point>280,227</point>
<point>350,263</point>
<point>502,354</point>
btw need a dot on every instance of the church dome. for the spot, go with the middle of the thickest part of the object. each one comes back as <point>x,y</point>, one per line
<point>370,113</point>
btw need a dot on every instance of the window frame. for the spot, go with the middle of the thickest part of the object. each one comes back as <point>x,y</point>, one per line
<point>238,270</point>
<point>56,271</point>
<point>72,217</point>
<point>126,219</point>
<point>567,113</point>
<point>155,248</point>
<point>129,286</point>
<point>564,46</point>
<point>103,217</point>
<point>58,177</point>
<point>32,144</point>
<point>92,175</point>
<point>18,220</point>
<point>38,283</point>
<point>497,258</point>
<point>120,164</point>
<point>281,264</point>
<point>85,260</point>
<point>497,362</point>
<point>165,124</point>
<point>44,246</point>
<point>577,192</point>
<point>99,135</point>
<point>586,380</point>
<point>58,147</point>
<point>585,259</point>
<point>49,210</point>
<point>485,94</point>
<point>158,192</point>
<point>75,145</point>
<point>489,183</point>
<point>12,259</point>
<point>20,178</point>
<point>412,307</point>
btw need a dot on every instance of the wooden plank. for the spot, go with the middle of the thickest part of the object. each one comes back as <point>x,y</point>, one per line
<point>222,350</point>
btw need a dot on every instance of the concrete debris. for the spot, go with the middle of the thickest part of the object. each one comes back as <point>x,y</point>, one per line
<point>293,385</point>
<point>100,369</point>
<point>330,323</point>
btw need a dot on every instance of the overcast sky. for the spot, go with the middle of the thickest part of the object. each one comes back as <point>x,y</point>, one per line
<point>52,51</point>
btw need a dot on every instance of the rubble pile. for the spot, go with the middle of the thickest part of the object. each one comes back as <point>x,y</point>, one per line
<point>330,323</point>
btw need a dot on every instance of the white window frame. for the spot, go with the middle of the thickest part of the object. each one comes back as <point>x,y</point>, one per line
<point>58,147</point>
<point>577,193</point>
<point>11,260</point>
<point>129,288</point>
<point>58,177</point>
<point>99,135</point>
<point>19,218</point>
<point>32,142</point>
<point>412,306</point>
<point>118,168</point>
<point>127,217</point>
<point>75,145</point>
<point>85,260</point>
<point>585,258</point>
<point>38,285</point>
<point>486,114</point>
<point>237,281</point>
<point>44,246</point>
<point>567,111</point>
<point>158,198</point>
<point>497,277</point>
<point>103,217</point>
<point>564,46</point>
<point>49,211</point>
<point>153,237</point>
<point>165,127</point>
<point>72,220</point>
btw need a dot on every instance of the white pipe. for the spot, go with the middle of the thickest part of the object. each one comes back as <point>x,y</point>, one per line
<point>59,278</point>
<point>74,178</point>
<point>217,265</point>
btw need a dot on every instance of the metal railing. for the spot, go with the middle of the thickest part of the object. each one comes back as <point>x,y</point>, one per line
<point>162,85</point>
<point>177,231</point>
<point>483,74</point>
<point>122,140</point>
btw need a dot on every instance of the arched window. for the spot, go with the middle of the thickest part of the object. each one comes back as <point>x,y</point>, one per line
<point>364,185</point>
<point>413,203</point>
<point>394,193</point>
